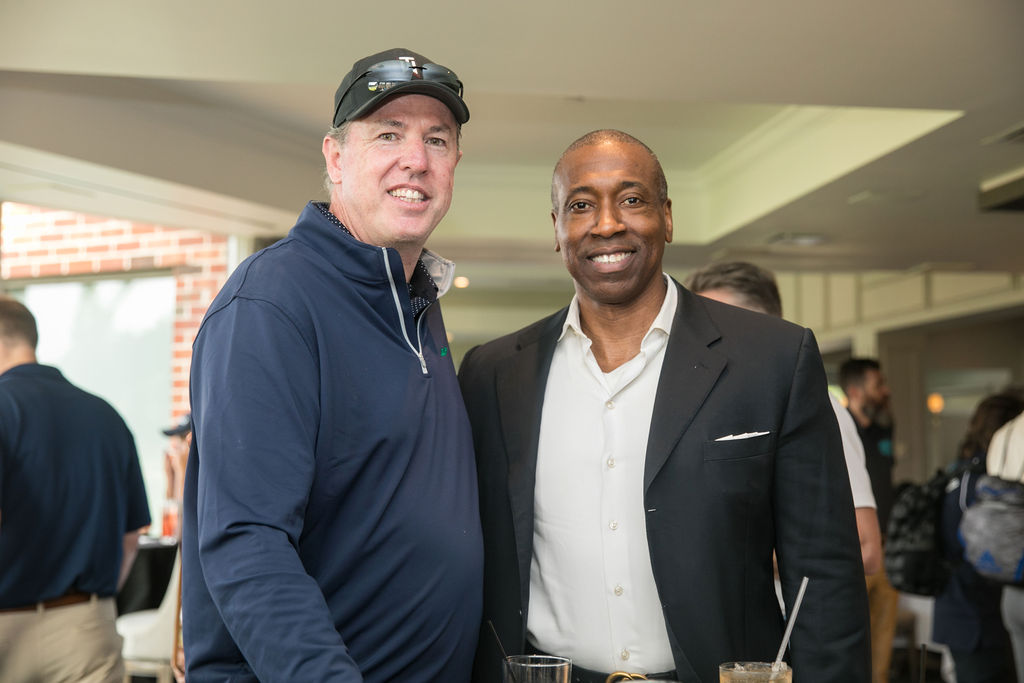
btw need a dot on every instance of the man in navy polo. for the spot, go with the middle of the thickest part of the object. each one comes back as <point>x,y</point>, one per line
<point>72,503</point>
<point>331,522</point>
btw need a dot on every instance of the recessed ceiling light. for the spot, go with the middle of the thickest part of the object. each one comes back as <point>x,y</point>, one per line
<point>796,239</point>
<point>887,196</point>
<point>461,282</point>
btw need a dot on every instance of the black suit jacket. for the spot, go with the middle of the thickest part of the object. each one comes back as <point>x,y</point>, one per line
<point>715,509</point>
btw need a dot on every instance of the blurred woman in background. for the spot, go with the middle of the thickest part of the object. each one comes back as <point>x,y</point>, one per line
<point>1006,460</point>
<point>967,617</point>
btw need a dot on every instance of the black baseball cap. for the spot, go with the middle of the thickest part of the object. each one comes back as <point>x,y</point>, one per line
<point>375,78</point>
<point>183,427</point>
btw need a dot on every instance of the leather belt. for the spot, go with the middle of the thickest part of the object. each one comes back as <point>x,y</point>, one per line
<point>62,601</point>
<point>623,676</point>
<point>581,675</point>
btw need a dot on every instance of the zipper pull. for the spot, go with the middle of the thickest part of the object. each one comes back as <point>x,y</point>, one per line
<point>423,362</point>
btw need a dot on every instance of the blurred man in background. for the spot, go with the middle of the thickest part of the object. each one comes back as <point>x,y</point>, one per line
<point>179,438</point>
<point>72,503</point>
<point>868,402</point>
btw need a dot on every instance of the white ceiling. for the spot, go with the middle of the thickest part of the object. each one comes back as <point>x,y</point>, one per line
<point>870,123</point>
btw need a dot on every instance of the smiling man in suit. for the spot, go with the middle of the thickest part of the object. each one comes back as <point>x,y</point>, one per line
<point>642,452</point>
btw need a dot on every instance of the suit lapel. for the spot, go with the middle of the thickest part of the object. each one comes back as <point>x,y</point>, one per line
<point>521,381</point>
<point>688,374</point>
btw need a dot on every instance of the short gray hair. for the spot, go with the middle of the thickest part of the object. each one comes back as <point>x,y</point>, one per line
<point>753,285</point>
<point>339,134</point>
<point>17,324</point>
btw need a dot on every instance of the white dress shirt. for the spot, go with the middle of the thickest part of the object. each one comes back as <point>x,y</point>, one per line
<point>592,591</point>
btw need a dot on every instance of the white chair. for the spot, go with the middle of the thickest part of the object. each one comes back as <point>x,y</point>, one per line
<point>917,611</point>
<point>149,634</point>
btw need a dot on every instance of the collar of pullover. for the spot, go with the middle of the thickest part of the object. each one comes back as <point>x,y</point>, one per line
<point>363,261</point>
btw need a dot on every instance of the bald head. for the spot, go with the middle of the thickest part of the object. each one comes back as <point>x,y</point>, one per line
<point>596,137</point>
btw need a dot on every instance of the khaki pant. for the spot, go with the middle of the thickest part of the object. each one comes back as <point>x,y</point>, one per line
<point>75,643</point>
<point>883,603</point>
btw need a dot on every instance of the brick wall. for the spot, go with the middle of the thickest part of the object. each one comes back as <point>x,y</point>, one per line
<point>45,243</point>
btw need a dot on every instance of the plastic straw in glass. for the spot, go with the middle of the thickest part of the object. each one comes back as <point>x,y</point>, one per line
<point>777,665</point>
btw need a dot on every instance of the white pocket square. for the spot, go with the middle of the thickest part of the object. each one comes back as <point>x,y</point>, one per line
<point>737,437</point>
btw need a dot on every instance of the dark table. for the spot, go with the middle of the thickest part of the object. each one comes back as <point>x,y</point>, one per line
<point>148,578</point>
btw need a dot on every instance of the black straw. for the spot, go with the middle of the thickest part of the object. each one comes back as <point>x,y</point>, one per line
<point>502,648</point>
<point>924,661</point>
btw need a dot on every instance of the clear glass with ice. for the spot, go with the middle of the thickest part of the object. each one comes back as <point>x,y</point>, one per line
<point>537,669</point>
<point>731,672</point>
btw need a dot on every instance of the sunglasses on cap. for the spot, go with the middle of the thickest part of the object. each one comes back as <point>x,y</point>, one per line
<point>385,75</point>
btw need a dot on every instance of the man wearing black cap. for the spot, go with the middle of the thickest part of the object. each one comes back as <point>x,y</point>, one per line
<point>179,437</point>
<point>331,523</point>
<point>180,430</point>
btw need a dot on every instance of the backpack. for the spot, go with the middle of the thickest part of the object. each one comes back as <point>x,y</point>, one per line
<point>914,561</point>
<point>992,527</point>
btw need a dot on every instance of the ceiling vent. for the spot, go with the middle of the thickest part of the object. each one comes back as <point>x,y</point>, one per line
<point>1014,133</point>
<point>1005,193</point>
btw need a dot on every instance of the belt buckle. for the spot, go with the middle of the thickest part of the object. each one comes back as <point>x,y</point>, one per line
<point>624,676</point>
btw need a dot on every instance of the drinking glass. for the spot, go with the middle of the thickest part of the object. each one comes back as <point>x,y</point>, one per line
<point>537,669</point>
<point>753,671</point>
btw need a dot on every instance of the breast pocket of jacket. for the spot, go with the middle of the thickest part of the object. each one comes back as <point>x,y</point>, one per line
<point>739,472</point>
<point>738,449</point>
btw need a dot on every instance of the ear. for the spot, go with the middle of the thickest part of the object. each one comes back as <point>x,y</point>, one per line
<point>668,220</point>
<point>554,223</point>
<point>332,157</point>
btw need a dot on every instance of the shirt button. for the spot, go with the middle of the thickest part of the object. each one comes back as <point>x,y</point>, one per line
<point>624,655</point>
<point>613,525</point>
<point>619,590</point>
<point>611,463</point>
<point>609,404</point>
